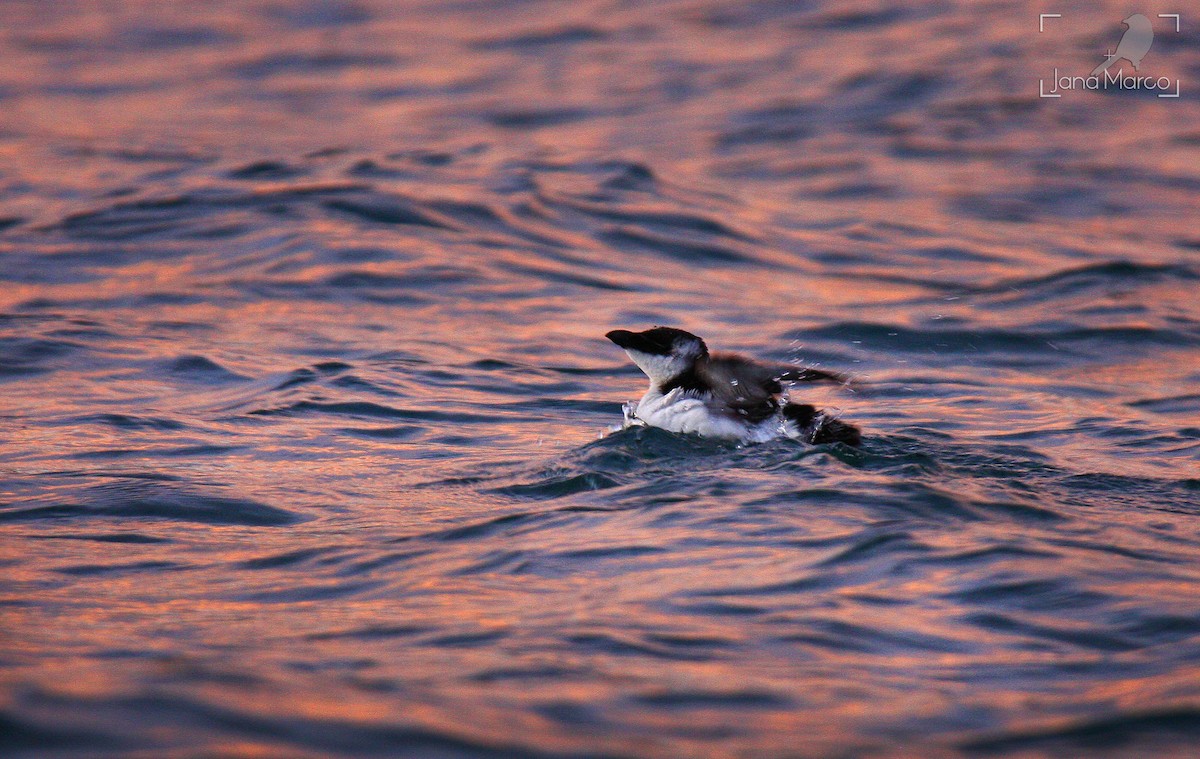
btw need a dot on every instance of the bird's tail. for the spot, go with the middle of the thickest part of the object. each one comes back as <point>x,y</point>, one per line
<point>817,427</point>
<point>1104,66</point>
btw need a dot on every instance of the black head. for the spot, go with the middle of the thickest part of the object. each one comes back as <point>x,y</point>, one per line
<point>659,341</point>
<point>662,352</point>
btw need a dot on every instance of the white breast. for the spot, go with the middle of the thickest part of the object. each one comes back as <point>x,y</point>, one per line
<point>679,412</point>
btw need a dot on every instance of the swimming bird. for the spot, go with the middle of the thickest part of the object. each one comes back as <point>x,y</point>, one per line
<point>723,395</point>
<point>1134,44</point>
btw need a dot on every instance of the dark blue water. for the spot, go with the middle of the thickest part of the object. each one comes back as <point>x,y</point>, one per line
<point>305,400</point>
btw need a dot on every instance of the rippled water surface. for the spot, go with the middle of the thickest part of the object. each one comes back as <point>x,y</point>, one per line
<point>305,400</point>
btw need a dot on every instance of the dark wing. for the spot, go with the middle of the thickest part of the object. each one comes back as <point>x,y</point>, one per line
<point>807,374</point>
<point>741,387</point>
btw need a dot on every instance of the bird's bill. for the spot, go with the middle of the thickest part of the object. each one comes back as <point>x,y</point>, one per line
<point>637,341</point>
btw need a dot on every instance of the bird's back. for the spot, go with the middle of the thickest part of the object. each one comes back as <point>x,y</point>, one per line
<point>741,386</point>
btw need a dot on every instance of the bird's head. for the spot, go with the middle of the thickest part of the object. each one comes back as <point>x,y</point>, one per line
<point>662,352</point>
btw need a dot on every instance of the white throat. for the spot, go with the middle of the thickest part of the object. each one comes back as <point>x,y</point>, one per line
<point>660,368</point>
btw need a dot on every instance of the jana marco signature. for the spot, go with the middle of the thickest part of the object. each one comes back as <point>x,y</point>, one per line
<point>1111,80</point>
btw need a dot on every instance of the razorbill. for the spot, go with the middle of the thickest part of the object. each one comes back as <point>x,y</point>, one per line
<point>723,395</point>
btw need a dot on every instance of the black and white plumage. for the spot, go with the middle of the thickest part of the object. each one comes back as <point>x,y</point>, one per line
<point>723,395</point>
